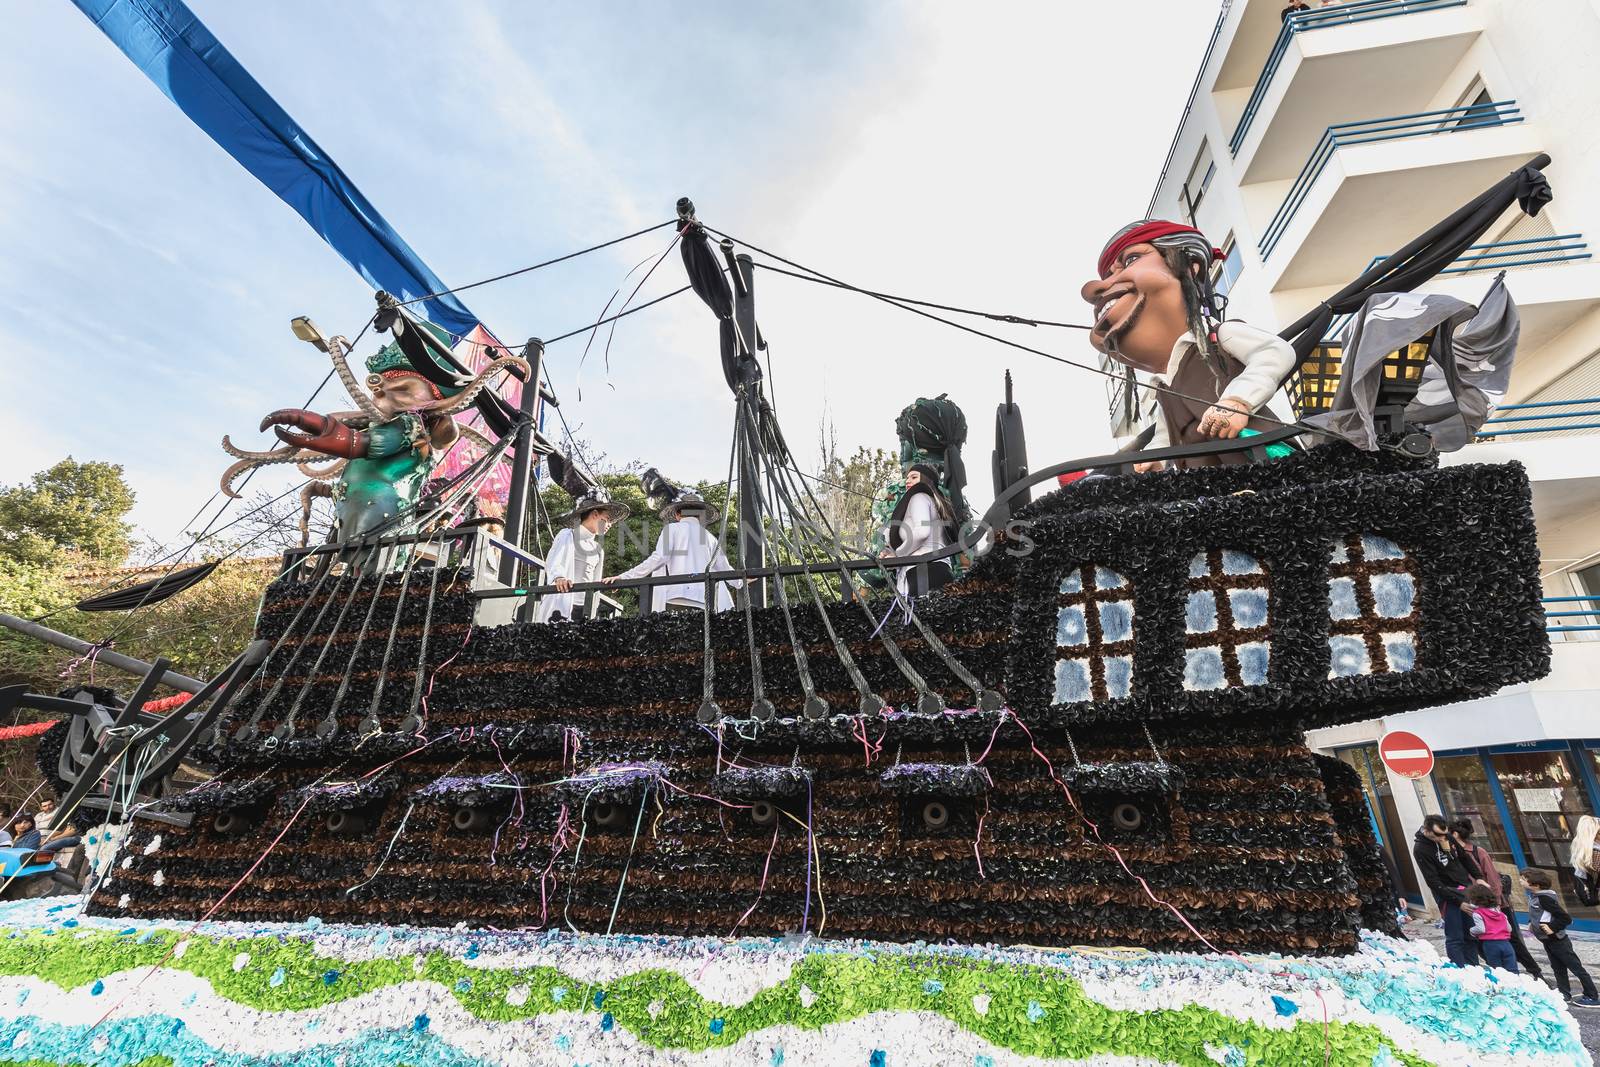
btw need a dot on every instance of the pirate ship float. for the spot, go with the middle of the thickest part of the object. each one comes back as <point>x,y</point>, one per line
<point>1093,737</point>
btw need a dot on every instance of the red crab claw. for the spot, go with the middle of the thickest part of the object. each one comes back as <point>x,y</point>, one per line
<point>322,434</point>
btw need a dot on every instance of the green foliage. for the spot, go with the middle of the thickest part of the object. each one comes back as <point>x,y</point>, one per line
<point>71,508</point>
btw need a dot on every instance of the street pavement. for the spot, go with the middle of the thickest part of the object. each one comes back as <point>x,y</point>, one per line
<point>1588,949</point>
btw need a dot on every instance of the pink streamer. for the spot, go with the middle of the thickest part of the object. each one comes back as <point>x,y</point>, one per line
<point>760,890</point>
<point>1115,852</point>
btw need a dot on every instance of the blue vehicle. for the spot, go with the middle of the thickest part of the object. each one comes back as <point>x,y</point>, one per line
<point>29,872</point>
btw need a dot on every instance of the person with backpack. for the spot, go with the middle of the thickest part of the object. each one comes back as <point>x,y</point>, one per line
<point>1549,922</point>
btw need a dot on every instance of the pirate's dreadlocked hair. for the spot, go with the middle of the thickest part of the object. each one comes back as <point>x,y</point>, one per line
<point>1203,306</point>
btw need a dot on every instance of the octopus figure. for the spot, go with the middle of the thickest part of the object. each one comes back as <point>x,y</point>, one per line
<point>387,449</point>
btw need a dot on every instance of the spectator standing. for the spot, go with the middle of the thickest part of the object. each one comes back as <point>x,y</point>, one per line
<point>1447,872</point>
<point>1549,921</point>
<point>1585,860</point>
<point>1294,8</point>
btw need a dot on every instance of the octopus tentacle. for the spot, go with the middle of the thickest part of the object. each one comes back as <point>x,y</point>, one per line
<point>290,455</point>
<point>338,348</point>
<point>323,474</point>
<point>462,400</point>
<point>475,439</point>
<point>307,495</point>
<point>241,453</point>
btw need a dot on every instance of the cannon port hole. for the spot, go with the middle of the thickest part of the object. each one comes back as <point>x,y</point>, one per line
<point>347,823</point>
<point>763,813</point>
<point>607,816</point>
<point>232,823</point>
<point>1127,816</point>
<point>935,815</point>
<point>472,820</point>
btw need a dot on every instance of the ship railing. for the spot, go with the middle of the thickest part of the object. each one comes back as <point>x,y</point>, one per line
<point>997,519</point>
<point>472,548</point>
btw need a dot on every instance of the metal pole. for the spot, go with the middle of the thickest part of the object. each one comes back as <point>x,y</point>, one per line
<point>172,679</point>
<point>522,460</point>
<point>752,534</point>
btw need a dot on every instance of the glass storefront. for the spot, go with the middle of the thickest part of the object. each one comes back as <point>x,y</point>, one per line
<point>1394,837</point>
<point>1545,796</point>
<point>1524,801</point>
<point>1465,793</point>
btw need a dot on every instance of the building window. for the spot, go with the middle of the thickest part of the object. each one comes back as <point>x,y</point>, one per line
<point>1094,636</point>
<point>1227,616</point>
<point>1225,273</point>
<point>1199,180</point>
<point>1478,103</point>
<point>1372,605</point>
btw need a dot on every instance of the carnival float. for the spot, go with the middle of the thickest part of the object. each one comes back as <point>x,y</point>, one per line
<point>1059,810</point>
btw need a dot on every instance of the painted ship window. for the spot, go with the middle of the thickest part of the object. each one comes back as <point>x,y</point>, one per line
<point>1094,636</point>
<point>1372,607</point>
<point>1227,618</point>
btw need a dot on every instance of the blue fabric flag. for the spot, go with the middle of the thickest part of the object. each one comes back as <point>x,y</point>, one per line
<point>176,51</point>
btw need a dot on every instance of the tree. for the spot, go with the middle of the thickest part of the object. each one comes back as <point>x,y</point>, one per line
<point>72,507</point>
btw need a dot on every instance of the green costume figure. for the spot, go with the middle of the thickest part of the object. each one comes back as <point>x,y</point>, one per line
<point>389,447</point>
<point>931,433</point>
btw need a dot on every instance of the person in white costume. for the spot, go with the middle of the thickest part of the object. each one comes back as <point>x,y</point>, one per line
<point>685,546</point>
<point>923,522</point>
<point>577,554</point>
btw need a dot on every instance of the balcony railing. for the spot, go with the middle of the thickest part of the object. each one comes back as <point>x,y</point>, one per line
<point>1546,418</point>
<point>1319,19</point>
<point>1497,256</point>
<point>1371,131</point>
<point>1585,609</point>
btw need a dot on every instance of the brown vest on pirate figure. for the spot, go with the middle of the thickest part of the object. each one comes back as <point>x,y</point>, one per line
<point>1181,403</point>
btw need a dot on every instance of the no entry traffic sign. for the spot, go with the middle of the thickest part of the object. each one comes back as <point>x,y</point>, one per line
<point>1406,754</point>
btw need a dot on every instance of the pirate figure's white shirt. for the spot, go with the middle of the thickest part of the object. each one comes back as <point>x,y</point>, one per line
<point>578,555</point>
<point>1265,359</point>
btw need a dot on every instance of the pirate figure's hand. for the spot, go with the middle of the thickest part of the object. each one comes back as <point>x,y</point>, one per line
<point>563,585</point>
<point>322,433</point>
<point>1226,418</point>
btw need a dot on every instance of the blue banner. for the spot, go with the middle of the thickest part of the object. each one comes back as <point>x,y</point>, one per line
<point>173,47</point>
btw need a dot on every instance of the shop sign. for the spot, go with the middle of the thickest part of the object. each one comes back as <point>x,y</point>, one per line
<point>1538,799</point>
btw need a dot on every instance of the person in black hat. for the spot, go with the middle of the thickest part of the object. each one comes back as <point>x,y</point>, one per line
<point>577,554</point>
<point>686,546</point>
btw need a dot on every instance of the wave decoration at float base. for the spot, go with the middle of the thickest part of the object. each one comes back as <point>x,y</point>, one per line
<point>79,990</point>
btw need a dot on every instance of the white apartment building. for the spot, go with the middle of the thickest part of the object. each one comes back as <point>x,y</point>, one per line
<point>1313,145</point>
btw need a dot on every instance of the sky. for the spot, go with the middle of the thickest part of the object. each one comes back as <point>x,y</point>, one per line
<point>970,154</point>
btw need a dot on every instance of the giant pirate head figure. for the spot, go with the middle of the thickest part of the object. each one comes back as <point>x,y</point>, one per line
<point>1154,285</point>
<point>1152,294</point>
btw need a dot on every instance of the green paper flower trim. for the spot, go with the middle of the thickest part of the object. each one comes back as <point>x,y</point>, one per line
<point>841,987</point>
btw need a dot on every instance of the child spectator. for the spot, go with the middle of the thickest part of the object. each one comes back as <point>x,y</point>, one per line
<point>1490,927</point>
<point>1549,921</point>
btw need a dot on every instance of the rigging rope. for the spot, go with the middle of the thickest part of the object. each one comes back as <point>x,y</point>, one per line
<point>895,302</point>
<point>537,266</point>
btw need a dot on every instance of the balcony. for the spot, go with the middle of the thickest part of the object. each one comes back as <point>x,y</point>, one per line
<point>1553,279</point>
<point>1572,618</point>
<point>1321,67</point>
<point>1367,181</point>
